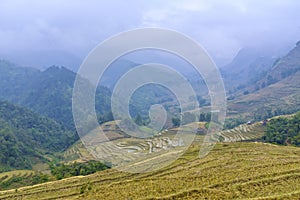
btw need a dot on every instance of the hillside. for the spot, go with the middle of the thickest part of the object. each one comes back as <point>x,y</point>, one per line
<point>47,92</point>
<point>133,146</point>
<point>283,68</point>
<point>279,98</point>
<point>243,132</point>
<point>80,155</point>
<point>27,138</point>
<point>275,94</point>
<point>230,171</point>
<point>248,66</point>
<point>284,131</point>
<point>19,178</point>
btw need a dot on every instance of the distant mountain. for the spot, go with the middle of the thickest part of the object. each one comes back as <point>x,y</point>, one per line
<point>27,138</point>
<point>283,68</point>
<point>42,59</point>
<point>278,92</point>
<point>249,66</point>
<point>115,71</point>
<point>162,57</point>
<point>47,92</point>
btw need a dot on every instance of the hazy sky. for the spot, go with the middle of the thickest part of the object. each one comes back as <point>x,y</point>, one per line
<point>34,32</point>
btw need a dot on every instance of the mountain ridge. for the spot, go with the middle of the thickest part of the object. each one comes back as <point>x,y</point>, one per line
<point>276,93</point>
<point>47,92</point>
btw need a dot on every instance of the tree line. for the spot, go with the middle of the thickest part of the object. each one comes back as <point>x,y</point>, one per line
<point>284,131</point>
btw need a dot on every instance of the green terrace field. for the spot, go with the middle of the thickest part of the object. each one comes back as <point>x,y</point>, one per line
<point>240,170</point>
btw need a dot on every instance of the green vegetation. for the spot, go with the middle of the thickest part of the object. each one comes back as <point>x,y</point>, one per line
<point>138,120</point>
<point>146,96</point>
<point>205,117</point>
<point>188,117</point>
<point>47,92</point>
<point>28,138</point>
<point>230,123</point>
<point>19,178</point>
<point>76,153</point>
<point>176,121</point>
<point>75,169</point>
<point>232,170</point>
<point>284,131</point>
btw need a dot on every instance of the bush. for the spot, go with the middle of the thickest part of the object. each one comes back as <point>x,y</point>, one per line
<point>75,169</point>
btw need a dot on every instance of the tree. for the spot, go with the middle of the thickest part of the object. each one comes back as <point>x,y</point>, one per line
<point>246,92</point>
<point>188,118</point>
<point>283,131</point>
<point>205,117</point>
<point>138,120</point>
<point>176,121</point>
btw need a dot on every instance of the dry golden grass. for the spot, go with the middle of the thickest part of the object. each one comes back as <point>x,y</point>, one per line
<point>5,176</point>
<point>231,171</point>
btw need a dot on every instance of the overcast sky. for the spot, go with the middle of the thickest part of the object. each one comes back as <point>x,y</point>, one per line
<point>31,30</point>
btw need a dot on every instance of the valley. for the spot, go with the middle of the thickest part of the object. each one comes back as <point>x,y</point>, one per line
<point>150,100</point>
<point>257,155</point>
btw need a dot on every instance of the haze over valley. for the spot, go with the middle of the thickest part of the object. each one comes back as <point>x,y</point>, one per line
<point>66,133</point>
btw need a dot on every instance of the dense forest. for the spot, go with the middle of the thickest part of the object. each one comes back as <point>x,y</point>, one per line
<point>26,137</point>
<point>284,131</point>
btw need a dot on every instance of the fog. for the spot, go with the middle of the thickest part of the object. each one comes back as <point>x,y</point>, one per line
<point>62,32</point>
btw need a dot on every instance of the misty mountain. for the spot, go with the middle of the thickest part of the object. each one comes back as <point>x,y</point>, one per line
<point>278,92</point>
<point>249,66</point>
<point>122,65</point>
<point>285,67</point>
<point>42,59</point>
<point>115,71</point>
<point>47,92</point>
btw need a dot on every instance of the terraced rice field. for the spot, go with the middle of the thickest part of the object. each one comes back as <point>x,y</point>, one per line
<point>124,150</point>
<point>7,179</point>
<point>243,132</point>
<point>240,170</point>
<point>5,176</point>
<point>77,153</point>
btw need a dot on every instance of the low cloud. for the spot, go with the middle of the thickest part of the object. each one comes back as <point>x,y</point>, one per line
<point>75,27</point>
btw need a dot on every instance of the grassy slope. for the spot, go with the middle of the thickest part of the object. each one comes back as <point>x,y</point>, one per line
<point>12,179</point>
<point>278,90</point>
<point>230,171</point>
<point>79,153</point>
<point>282,95</point>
